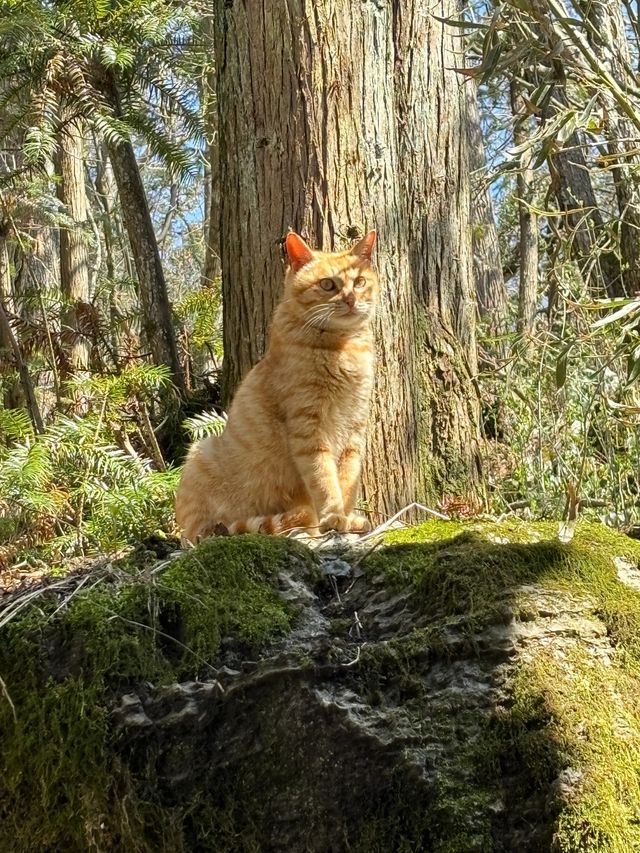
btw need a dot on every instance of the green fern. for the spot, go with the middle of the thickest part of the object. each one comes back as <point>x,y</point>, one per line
<point>15,425</point>
<point>205,424</point>
<point>75,477</point>
<point>46,49</point>
<point>202,308</point>
<point>139,381</point>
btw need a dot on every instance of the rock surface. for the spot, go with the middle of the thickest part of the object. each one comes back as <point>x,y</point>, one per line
<point>378,721</point>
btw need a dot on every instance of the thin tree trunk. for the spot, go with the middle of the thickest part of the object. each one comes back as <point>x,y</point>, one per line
<point>74,266</point>
<point>310,139</point>
<point>608,39</point>
<point>591,245</point>
<point>105,190</point>
<point>9,343</point>
<point>491,293</point>
<point>528,220</point>
<point>212,266</point>
<point>13,395</point>
<point>157,320</point>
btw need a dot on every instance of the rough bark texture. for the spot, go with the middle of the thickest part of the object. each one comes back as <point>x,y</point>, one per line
<point>608,40</point>
<point>74,265</point>
<point>528,294</point>
<point>591,245</point>
<point>157,321</point>
<point>333,120</point>
<point>491,293</point>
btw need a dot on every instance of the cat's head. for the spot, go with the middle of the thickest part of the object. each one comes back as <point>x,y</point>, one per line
<point>334,291</point>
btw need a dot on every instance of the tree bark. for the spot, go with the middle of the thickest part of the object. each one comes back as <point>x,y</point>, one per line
<point>9,344</point>
<point>430,115</point>
<point>157,320</point>
<point>591,246</point>
<point>212,267</point>
<point>332,120</point>
<point>74,265</point>
<point>528,219</point>
<point>608,39</point>
<point>491,293</point>
<point>13,397</point>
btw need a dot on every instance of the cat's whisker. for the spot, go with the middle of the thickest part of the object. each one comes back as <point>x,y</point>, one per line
<point>316,309</point>
<point>318,317</point>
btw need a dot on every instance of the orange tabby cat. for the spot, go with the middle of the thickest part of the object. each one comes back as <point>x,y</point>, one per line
<point>290,453</point>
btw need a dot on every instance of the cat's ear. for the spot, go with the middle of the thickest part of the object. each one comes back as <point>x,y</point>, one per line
<point>364,248</point>
<point>298,252</point>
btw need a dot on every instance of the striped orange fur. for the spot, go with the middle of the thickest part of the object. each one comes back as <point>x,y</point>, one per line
<point>290,455</point>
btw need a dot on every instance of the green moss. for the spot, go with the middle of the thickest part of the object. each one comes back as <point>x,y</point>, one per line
<point>584,715</point>
<point>242,601</point>
<point>471,568</point>
<point>60,786</point>
<point>574,711</point>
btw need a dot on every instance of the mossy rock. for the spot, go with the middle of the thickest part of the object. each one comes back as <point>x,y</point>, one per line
<point>62,784</point>
<point>474,687</point>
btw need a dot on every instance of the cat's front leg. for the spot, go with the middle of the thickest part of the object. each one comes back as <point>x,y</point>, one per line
<point>349,468</point>
<point>320,474</point>
<point>317,467</point>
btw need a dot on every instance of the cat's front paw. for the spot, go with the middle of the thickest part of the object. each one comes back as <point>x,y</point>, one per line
<point>358,524</point>
<point>334,521</point>
<point>351,523</point>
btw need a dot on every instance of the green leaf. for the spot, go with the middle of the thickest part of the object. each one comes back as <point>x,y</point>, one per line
<point>634,366</point>
<point>463,25</point>
<point>631,307</point>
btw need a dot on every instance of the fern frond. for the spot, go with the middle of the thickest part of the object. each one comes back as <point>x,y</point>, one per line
<point>15,425</point>
<point>205,424</point>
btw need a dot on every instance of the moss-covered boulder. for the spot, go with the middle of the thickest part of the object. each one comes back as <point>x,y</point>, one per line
<point>465,687</point>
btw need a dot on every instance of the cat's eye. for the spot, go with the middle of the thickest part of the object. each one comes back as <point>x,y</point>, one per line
<point>327,284</point>
<point>359,283</point>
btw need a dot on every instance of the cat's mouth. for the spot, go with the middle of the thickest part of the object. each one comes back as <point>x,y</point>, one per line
<point>337,316</point>
<point>353,311</point>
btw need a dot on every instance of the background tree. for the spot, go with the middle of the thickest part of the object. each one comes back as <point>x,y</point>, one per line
<point>74,260</point>
<point>491,293</point>
<point>113,68</point>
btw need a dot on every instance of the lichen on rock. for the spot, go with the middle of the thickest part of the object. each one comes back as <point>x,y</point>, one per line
<point>464,687</point>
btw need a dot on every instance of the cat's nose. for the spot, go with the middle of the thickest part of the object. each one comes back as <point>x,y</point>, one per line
<point>349,298</point>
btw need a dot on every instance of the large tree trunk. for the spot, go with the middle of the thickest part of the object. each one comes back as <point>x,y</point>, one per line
<point>74,266</point>
<point>334,119</point>
<point>430,115</point>
<point>491,293</point>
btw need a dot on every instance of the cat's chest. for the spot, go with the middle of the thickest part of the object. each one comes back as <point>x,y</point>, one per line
<point>346,370</point>
<point>344,384</point>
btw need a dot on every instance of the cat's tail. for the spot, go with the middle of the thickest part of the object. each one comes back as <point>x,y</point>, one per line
<point>283,522</point>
